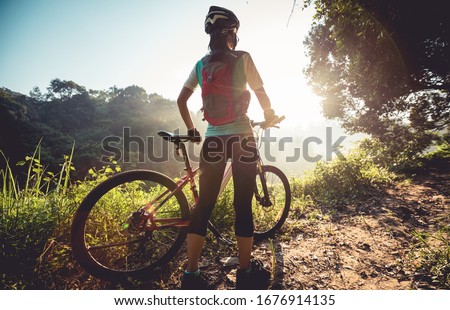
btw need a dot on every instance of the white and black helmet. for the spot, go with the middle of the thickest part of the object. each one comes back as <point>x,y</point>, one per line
<point>222,20</point>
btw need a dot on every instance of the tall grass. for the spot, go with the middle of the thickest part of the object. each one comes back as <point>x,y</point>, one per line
<point>31,215</point>
<point>430,256</point>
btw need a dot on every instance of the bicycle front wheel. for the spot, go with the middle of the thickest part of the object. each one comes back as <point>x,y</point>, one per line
<point>105,244</point>
<point>271,201</point>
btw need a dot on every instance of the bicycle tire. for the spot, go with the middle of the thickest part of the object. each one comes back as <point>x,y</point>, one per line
<point>268,219</point>
<point>103,206</point>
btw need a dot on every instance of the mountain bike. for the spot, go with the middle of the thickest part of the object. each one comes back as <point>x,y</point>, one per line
<point>136,221</point>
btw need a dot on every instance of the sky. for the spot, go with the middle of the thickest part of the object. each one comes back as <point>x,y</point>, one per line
<point>153,44</point>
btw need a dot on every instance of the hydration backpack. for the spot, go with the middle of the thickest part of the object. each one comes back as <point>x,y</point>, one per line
<point>223,88</point>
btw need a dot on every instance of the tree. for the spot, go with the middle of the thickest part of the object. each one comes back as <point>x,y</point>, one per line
<point>383,68</point>
<point>12,113</point>
<point>64,89</point>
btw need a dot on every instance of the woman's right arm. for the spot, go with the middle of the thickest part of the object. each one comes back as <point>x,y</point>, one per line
<point>182,100</point>
<point>256,84</point>
<point>263,99</point>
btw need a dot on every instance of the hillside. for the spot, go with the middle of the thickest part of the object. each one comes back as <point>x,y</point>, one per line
<point>119,123</point>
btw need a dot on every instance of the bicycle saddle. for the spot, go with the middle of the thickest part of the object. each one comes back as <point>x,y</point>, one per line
<point>171,137</point>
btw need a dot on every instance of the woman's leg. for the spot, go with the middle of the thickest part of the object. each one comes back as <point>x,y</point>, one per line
<point>244,178</point>
<point>210,180</point>
<point>245,245</point>
<point>194,249</point>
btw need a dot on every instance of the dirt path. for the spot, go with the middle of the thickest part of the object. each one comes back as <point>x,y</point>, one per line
<point>365,246</point>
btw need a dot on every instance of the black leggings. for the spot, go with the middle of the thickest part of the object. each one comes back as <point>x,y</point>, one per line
<point>214,155</point>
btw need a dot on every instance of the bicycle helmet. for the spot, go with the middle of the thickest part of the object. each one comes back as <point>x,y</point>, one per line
<point>222,20</point>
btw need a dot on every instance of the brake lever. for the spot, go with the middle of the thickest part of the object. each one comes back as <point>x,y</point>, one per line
<point>273,122</point>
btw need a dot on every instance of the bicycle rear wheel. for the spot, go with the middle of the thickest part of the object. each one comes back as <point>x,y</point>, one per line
<point>271,201</point>
<point>105,244</point>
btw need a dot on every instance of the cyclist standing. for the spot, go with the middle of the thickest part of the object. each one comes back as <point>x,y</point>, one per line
<point>223,75</point>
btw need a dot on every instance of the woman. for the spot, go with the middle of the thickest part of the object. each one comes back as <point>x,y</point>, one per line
<point>229,135</point>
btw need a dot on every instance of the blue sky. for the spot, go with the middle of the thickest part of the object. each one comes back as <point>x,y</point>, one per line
<point>153,44</point>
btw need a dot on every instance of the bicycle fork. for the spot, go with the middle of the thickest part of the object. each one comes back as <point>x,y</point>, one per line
<point>265,199</point>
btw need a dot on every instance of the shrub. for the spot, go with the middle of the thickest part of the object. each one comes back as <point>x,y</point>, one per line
<point>346,178</point>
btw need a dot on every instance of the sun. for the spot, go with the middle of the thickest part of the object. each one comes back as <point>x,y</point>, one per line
<point>292,98</point>
<point>279,54</point>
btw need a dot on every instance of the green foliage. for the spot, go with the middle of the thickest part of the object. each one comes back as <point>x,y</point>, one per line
<point>342,179</point>
<point>405,158</point>
<point>432,252</point>
<point>382,68</point>
<point>442,151</point>
<point>395,157</point>
<point>36,219</point>
<point>31,216</point>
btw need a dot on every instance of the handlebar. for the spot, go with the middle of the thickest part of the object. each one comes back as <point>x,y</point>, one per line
<point>171,137</point>
<point>265,125</point>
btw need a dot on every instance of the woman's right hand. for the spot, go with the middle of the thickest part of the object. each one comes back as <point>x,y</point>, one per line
<point>193,132</point>
<point>269,115</point>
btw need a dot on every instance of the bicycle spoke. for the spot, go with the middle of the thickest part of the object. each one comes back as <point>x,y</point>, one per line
<point>115,219</point>
<point>96,247</point>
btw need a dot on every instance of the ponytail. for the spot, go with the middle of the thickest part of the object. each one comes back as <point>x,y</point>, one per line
<point>220,41</point>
